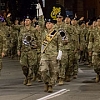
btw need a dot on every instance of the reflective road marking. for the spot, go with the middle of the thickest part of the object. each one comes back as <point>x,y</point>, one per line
<point>54,94</point>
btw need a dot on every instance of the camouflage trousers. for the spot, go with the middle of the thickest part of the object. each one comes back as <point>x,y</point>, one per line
<point>69,63</point>
<point>61,69</point>
<point>75,64</point>
<point>37,72</point>
<point>48,69</point>
<point>96,62</point>
<point>28,61</point>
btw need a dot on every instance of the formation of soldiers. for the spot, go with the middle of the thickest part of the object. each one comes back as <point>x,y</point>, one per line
<point>48,51</point>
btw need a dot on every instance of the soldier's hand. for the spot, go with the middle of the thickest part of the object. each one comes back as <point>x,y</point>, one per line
<point>18,52</point>
<point>82,18</point>
<point>9,14</point>
<point>3,54</point>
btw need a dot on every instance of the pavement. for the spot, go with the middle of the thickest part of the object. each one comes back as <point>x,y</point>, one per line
<point>12,88</point>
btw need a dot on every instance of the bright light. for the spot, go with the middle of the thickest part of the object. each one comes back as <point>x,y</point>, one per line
<point>43,1</point>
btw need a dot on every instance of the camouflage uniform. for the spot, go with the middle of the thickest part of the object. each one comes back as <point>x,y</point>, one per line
<point>9,45</point>
<point>5,30</point>
<point>94,49</point>
<point>73,66</point>
<point>61,67</point>
<point>14,42</point>
<point>3,46</point>
<point>90,31</point>
<point>14,34</point>
<point>36,70</point>
<point>48,62</point>
<point>40,25</point>
<point>27,45</point>
<point>82,43</point>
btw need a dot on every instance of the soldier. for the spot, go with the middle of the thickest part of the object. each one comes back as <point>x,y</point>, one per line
<point>6,30</point>
<point>14,33</point>
<point>90,31</point>
<point>3,47</point>
<point>16,22</point>
<point>34,22</point>
<point>8,19</point>
<point>60,26</point>
<point>39,25</point>
<point>49,52</point>
<point>67,20</point>
<point>27,50</point>
<point>21,22</point>
<point>83,41</point>
<point>74,33</point>
<point>94,50</point>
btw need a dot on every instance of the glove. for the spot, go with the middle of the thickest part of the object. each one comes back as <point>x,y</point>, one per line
<point>59,55</point>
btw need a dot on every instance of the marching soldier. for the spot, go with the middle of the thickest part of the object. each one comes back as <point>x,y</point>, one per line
<point>49,52</point>
<point>67,20</point>
<point>21,22</point>
<point>60,26</point>
<point>94,50</point>
<point>27,50</point>
<point>3,47</point>
<point>6,29</point>
<point>73,30</point>
<point>90,31</point>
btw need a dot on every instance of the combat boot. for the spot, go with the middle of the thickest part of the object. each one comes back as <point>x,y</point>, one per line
<point>29,83</point>
<point>50,90</point>
<point>67,79</point>
<point>74,76</point>
<point>97,78</point>
<point>60,81</point>
<point>46,87</point>
<point>39,80</point>
<point>25,81</point>
<point>33,78</point>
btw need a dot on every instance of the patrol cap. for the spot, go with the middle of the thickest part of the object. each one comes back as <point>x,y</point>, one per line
<point>17,18</point>
<point>21,19</point>
<point>90,22</point>
<point>49,20</point>
<point>28,17</point>
<point>87,20</point>
<point>81,22</point>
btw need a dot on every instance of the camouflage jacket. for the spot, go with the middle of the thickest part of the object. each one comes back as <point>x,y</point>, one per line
<point>27,39</point>
<point>53,46</point>
<point>3,45</point>
<point>94,40</point>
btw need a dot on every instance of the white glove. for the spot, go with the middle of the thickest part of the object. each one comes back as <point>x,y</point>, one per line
<point>39,10</point>
<point>59,55</point>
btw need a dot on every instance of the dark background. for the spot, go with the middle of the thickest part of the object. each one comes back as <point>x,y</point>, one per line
<point>21,8</point>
